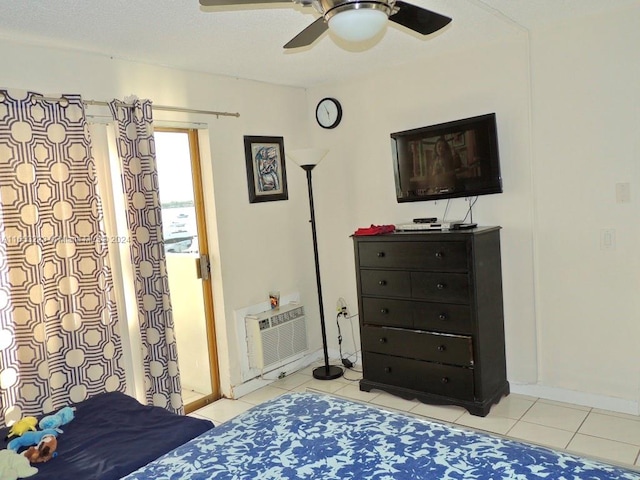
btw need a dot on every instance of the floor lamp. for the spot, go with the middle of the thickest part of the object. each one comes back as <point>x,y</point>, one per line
<point>307,159</point>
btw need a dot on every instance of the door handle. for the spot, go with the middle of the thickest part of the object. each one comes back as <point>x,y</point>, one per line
<point>203,267</point>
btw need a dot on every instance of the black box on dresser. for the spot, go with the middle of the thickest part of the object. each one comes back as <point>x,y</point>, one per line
<point>431,316</point>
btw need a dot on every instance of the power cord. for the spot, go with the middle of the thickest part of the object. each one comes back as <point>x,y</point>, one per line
<point>470,210</point>
<point>348,363</point>
<point>446,210</point>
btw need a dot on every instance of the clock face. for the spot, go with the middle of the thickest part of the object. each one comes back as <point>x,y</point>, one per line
<point>328,113</point>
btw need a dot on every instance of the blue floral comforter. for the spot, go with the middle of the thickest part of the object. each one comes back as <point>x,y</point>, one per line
<point>313,436</point>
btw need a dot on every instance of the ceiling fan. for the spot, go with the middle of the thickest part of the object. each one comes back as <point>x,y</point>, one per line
<point>354,20</point>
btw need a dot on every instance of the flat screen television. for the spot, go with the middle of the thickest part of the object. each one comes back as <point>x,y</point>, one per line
<point>453,159</point>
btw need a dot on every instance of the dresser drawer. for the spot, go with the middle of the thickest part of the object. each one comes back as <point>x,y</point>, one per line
<point>440,287</point>
<point>387,312</point>
<point>425,377</point>
<point>441,317</point>
<point>433,347</point>
<point>388,370</point>
<point>436,256</point>
<point>385,283</point>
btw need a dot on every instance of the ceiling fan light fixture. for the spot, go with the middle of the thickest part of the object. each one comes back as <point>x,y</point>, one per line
<point>358,21</point>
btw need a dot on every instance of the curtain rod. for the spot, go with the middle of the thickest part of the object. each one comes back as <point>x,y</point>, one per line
<point>155,107</point>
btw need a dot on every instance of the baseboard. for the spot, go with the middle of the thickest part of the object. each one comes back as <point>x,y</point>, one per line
<point>578,398</point>
<point>238,391</point>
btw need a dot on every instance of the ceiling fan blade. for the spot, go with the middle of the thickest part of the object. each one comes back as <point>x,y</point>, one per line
<point>308,35</point>
<point>226,3</point>
<point>418,19</point>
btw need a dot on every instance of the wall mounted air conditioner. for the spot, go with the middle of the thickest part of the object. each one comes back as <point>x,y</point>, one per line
<point>276,336</point>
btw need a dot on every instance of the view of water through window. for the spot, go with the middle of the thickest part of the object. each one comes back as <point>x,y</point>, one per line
<point>176,193</point>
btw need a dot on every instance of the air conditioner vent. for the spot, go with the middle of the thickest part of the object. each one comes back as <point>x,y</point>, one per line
<point>275,336</point>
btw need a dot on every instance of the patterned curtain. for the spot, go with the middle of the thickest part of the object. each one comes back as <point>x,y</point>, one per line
<point>59,337</point>
<point>136,149</point>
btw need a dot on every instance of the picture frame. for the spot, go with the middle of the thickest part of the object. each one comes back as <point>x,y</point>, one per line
<point>266,169</point>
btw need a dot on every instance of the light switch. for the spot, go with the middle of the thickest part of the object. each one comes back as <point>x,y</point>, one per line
<point>608,239</point>
<point>623,192</point>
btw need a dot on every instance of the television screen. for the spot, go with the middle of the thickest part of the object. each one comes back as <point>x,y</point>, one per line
<point>453,159</point>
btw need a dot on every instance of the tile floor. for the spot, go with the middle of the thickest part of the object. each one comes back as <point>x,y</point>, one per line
<point>609,436</point>
<point>190,395</point>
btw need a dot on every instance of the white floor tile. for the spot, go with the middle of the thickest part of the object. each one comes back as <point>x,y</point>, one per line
<point>391,401</point>
<point>555,416</point>
<point>309,370</point>
<point>223,410</point>
<point>499,425</point>
<point>352,375</point>
<point>189,396</point>
<point>263,394</point>
<point>605,449</point>
<point>328,386</point>
<point>446,413</point>
<point>564,404</point>
<point>196,415</point>
<point>547,436</point>
<point>354,392</point>
<point>628,416</point>
<point>291,381</point>
<point>512,406</point>
<point>612,428</point>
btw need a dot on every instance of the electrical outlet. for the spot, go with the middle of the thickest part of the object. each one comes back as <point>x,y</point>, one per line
<point>340,304</point>
<point>341,307</point>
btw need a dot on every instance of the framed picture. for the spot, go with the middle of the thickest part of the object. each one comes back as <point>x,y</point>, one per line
<point>266,172</point>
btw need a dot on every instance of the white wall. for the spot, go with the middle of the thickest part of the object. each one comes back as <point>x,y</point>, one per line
<point>586,136</point>
<point>567,105</point>
<point>258,247</point>
<point>567,102</point>
<point>483,80</point>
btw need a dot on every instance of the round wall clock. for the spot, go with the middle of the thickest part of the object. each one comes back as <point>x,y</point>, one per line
<point>328,113</point>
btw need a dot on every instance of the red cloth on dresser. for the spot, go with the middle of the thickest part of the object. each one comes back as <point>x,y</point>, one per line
<point>375,230</point>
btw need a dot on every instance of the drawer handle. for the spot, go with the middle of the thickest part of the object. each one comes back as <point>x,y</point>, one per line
<point>380,254</point>
<point>441,348</point>
<point>382,283</point>
<point>443,316</point>
<point>383,340</point>
<point>441,286</point>
<point>439,254</point>
<point>387,369</point>
<point>444,380</point>
<point>384,311</point>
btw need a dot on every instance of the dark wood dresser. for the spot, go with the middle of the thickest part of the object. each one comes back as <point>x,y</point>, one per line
<point>431,316</point>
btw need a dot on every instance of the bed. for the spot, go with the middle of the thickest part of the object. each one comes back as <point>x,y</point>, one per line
<point>295,436</point>
<point>316,436</point>
<point>111,435</point>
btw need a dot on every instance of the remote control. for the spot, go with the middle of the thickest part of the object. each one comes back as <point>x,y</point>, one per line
<point>425,220</point>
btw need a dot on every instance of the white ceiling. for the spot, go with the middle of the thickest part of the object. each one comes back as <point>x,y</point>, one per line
<point>245,43</point>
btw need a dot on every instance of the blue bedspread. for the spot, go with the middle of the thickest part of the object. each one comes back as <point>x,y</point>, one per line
<point>111,435</point>
<point>312,436</point>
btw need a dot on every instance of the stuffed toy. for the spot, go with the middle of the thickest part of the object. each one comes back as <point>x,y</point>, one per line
<point>44,451</point>
<point>64,416</point>
<point>31,438</point>
<point>14,466</point>
<point>22,426</point>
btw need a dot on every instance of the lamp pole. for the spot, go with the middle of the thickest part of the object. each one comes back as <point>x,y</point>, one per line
<point>326,372</point>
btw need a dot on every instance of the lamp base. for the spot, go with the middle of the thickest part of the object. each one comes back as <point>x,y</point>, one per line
<point>327,372</point>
